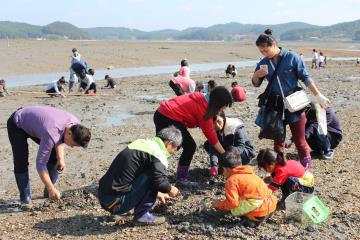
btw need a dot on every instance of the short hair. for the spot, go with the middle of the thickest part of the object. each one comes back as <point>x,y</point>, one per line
<point>231,158</point>
<point>62,80</point>
<point>81,135</point>
<point>107,76</point>
<point>233,84</point>
<point>184,63</point>
<point>212,83</point>
<point>91,71</point>
<point>74,50</point>
<point>172,134</point>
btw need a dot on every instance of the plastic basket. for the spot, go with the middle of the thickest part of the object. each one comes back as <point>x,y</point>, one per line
<point>294,207</point>
<point>316,210</point>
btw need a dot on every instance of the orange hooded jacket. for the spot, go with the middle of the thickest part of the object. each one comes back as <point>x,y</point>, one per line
<point>243,183</point>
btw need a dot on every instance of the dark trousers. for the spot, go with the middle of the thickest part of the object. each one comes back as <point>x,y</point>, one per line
<point>188,144</point>
<point>120,204</point>
<point>319,143</point>
<point>92,87</point>
<point>18,140</point>
<point>292,185</point>
<point>177,88</point>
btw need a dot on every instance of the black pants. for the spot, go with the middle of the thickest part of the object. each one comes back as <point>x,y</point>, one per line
<point>52,90</point>
<point>176,87</point>
<point>92,87</point>
<point>188,144</point>
<point>18,139</point>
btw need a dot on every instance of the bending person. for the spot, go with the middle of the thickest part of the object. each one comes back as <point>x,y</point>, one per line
<point>51,128</point>
<point>231,133</point>
<point>55,88</point>
<point>291,70</point>
<point>190,111</point>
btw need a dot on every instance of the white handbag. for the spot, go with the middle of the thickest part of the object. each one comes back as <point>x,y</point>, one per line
<point>295,101</point>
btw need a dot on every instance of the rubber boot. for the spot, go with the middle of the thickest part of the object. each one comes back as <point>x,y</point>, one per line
<point>182,176</point>
<point>23,183</point>
<point>53,173</point>
<point>142,216</point>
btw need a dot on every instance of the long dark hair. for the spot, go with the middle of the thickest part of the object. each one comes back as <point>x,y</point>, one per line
<point>219,97</point>
<point>222,115</point>
<point>266,39</point>
<point>267,157</point>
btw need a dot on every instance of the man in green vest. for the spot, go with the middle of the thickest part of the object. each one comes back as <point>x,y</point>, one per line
<point>137,177</point>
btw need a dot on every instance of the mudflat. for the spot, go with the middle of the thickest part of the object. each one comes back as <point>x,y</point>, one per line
<point>117,117</point>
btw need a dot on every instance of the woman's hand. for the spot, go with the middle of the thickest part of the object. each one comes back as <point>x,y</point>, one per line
<point>262,72</point>
<point>322,100</point>
<point>163,197</point>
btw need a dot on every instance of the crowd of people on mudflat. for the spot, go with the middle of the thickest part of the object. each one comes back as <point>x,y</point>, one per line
<point>137,177</point>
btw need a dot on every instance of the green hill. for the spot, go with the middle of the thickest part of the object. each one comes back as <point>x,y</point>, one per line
<point>346,30</point>
<point>53,30</point>
<point>219,32</point>
<point>62,29</point>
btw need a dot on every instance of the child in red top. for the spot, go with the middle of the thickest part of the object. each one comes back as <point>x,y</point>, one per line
<point>238,93</point>
<point>289,175</point>
<point>191,111</point>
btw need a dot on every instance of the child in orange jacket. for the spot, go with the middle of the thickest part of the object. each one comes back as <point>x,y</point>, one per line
<point>246,193</point>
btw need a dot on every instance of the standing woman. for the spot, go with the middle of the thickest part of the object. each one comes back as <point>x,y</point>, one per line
<point>190,111</point>
<point>291,70</point>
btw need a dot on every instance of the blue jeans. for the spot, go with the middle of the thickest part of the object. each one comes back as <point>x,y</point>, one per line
<point>119,204</point>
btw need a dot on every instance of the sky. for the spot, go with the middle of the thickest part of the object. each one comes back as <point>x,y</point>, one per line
<point>175,14</point>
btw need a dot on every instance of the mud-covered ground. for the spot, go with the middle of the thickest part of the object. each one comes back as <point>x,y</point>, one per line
<point>119,116</point>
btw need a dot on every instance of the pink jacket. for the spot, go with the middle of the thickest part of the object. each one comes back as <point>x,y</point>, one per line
<point>185,72</point>
<point>187,85</point>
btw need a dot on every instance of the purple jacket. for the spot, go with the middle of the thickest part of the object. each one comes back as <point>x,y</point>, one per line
<point>46,124</point>
<point>333,124</point>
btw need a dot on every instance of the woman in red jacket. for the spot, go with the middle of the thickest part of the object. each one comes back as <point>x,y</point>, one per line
<point>191,111</point>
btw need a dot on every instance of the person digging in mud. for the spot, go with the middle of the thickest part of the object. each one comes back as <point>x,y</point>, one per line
<point>181,83</point>
<point>137,177</point>
<point>190,111</point>
<point>238,93</point>
<point>231,133</point>
<point>211,84</point>
<point>321,145</point>
<point>288,175</point>
<point>110,82</point>
<point>54,89</point>
<point>231,71</point>
<point>51,128</point>
<point>247,195</point>
<point>3,89</point>
<point>87,83</point>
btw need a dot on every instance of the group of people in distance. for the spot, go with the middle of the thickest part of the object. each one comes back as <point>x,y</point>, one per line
<point>318,60</point>
<point>81,73</point>
<point>137,177</point>
<point>181,83</point>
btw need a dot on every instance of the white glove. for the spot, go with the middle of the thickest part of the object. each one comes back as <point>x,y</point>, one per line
<point>321,99</point>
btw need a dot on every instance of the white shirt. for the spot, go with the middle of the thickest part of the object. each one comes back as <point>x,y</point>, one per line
<point>315,56</point>
<point>88,80</point>
<point>321,59</point>
<point>53,85</point>
<point>76,57</point>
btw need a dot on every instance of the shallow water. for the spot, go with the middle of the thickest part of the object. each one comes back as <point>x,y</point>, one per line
<point>116,120</point>
<point>35,79</point>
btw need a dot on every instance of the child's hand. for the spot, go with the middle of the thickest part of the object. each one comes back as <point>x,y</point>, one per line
<point>215,204</point>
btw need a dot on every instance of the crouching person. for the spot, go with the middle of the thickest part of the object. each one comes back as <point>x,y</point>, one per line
<point>137,177</point>
<point>247,195</point>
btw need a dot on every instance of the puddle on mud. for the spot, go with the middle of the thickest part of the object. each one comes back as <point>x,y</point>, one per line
<point>116,120</point>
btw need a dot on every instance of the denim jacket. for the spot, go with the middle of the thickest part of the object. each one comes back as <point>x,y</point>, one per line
<point>292,69</point>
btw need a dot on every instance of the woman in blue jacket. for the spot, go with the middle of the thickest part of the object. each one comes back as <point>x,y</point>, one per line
<point>291,70</point>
